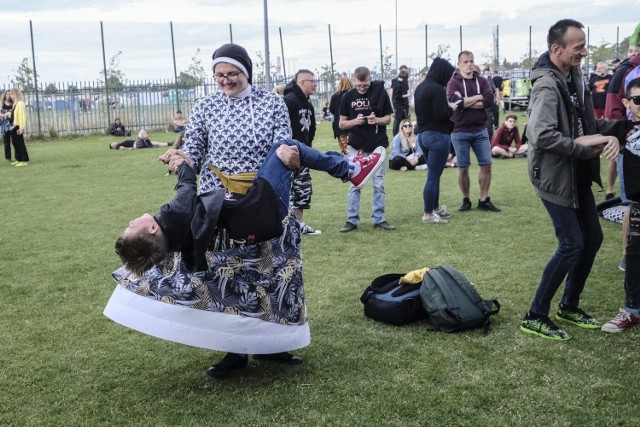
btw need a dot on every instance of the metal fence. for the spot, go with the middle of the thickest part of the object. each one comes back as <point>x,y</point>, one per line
<point>155,54</point>
<point>67,51</point>
<point>86,107</point>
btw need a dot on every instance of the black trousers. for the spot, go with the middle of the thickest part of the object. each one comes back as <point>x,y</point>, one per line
<point>19,147</point>
<point>6,139</point>
<point>400,113</point>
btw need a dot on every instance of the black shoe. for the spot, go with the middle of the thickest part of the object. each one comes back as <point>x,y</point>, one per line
<point>385,226</point>
<point>284,358</point>
<point>347,227</point>
<point>609,196</point>
<point>229,363</point>
<point>488,206</point>
<point>466,205</point>
<point>129,133</point>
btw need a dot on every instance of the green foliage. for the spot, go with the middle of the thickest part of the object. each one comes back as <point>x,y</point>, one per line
<point>441,51</point>
<point>601,53</point>
<point>326,75</point>
<point>65,364</point>
<point>194,75</point>
<point>24,77</point>
<point>114,75</point>
<point>387,70</point>
<point>50,89</point>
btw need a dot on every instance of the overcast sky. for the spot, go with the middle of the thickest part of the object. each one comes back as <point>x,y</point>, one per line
<point>68,41</point>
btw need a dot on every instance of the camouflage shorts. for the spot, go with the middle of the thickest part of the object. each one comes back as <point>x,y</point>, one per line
<point>301,189</point>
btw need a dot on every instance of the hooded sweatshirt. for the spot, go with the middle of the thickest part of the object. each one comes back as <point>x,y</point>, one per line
<point>614,108</point>
<point>432,109</point>
<point>469,119</point>
<point>301,113</point>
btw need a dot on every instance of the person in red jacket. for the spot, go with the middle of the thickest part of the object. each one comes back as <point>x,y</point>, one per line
<point>503,138</point>
<point>614,109</point>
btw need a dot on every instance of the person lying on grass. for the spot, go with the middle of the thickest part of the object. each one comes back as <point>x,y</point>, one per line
<point>188,224</point>
<point>143,141</point>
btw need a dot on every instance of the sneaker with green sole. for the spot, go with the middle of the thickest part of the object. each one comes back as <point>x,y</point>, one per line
<point>578,317</point>
<point>544,328</point>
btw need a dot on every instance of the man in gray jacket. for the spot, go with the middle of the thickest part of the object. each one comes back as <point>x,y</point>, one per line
<point>564,149</point>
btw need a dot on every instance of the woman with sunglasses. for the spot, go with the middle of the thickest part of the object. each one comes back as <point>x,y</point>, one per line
<point>405,151</point>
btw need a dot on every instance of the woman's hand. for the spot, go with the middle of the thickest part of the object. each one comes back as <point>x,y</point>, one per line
<point>289,155</point>
<point>174,158</point>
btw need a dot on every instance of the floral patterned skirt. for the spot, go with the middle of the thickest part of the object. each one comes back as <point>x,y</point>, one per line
<point>250,299</point>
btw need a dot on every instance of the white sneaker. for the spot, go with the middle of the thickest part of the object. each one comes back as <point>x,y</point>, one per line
<point>443,212</point>
<point>309,230</point>
<point>421,168</point>
<point>434,219</point>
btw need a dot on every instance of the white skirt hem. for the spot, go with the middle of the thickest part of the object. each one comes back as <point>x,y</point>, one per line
<point>205,329</point>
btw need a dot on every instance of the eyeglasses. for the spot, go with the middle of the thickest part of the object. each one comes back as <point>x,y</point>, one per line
<point>635,99</point>
<point>407,126</point>
<point>311,81</point>
<point>231,76</point>
<point>363,85</point>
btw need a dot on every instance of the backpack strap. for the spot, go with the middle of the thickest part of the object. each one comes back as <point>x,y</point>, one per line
<point>449,297</point>
<point>475,297</point>
<point>378,283</point>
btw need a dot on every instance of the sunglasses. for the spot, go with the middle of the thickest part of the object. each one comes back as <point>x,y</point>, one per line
<point>410,126</point>
<point>635,99</point>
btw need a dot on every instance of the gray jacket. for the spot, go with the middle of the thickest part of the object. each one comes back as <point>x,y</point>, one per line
<point>550,130</point>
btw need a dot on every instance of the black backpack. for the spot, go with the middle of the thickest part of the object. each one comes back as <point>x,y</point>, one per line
<point>453,303</point>
<point>387,300</point>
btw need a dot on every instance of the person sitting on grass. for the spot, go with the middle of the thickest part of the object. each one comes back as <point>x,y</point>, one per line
<point>405,151</point>
<point>118,129</point>
<point>143,141</point>
<point>503,138</point>
<point>179,122</point>
<point>188,223</point>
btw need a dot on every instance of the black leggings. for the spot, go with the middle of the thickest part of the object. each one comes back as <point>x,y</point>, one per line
<point>6,139</point>
<point>399,161</point>
<point>19,147</point>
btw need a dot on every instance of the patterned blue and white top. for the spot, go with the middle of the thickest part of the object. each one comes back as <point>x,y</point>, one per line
<point>251,298</point>
<point>234,134</point>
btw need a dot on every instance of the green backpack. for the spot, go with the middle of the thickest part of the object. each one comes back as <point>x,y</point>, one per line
<point>453,303</point>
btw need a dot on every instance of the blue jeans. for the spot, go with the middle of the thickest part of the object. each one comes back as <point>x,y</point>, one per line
<point>279,176</point>
<point>623,194</point>
<point>579,238</point>
<point>436,147</point>
<point>478,141</point>
<point>377,204</point>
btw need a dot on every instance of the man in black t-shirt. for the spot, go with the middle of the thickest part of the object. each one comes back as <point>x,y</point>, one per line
<point>366,111</point>
<point>400,98</point>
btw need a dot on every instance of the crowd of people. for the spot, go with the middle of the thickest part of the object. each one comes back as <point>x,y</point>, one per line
<point>220,266</point>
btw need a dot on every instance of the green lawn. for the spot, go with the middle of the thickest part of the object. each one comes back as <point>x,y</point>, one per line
<point>65,364</point>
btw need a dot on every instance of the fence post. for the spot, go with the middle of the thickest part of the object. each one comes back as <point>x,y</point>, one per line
<point>175,70</point>
<point>35,79</point>
<point>106,84</point>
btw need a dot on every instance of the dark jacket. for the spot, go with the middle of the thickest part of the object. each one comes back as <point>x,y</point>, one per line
<point>334,108</point>
<point>118,130</point>
<point>188,221</point>
<point>469,119</point>
<point>553,153</point>
<point>301,113</point>
<point>432,109</point>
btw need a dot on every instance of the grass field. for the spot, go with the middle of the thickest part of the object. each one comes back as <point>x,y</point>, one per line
<point>65,364</point>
